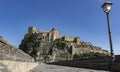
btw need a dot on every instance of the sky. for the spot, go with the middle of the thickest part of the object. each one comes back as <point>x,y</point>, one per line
<point>79,18</point>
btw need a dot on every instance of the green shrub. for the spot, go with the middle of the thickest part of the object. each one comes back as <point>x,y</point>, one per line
<point>28,44</point>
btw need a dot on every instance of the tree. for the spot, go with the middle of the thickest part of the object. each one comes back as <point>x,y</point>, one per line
<point>28,44</point>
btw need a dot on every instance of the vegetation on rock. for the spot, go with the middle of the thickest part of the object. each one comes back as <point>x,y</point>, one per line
<point>28,44</point>
<point>59,44</point>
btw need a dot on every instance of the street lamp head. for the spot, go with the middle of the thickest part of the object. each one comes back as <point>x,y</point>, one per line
<point>107,6</point>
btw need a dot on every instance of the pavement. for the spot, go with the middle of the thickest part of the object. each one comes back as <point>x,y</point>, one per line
<point>42,67</point>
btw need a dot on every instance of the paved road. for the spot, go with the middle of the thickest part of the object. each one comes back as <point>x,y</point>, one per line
<point>53,68</point>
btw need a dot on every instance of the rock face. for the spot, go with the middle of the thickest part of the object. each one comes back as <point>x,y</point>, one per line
<point>10,52</point>
<point>50,46</point>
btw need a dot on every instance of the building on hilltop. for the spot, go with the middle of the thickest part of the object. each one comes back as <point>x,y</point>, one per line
<point>50,46</point>
<point>52,35</point>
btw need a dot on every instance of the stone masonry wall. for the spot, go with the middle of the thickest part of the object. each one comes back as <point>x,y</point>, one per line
<point>92,63</point>
<point>10,52</point>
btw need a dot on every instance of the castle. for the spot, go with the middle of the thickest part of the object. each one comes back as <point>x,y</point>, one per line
<point>51,35</point>
<point>50,46</point>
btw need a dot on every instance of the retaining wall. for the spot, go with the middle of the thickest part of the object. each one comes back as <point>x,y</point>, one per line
<point>16,66</point>
<point>10,52</point>
<point>92,63</point>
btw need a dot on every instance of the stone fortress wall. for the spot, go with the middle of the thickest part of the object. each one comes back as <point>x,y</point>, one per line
<point>10,52</point>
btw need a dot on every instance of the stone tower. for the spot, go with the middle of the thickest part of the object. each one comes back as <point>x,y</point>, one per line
<point>32,29</point>
<point>55,34</point>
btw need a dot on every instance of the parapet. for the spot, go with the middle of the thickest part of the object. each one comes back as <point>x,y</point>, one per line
<point>10,52</point>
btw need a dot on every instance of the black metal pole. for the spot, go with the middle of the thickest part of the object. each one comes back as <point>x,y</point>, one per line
<point>111,46</point>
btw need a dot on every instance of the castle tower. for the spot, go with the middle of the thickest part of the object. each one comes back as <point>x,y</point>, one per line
<point>77,40</point>
<point>32,29</point>
<point>55,34</point>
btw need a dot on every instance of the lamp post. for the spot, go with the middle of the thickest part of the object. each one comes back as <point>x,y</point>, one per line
<point>106,8</point>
